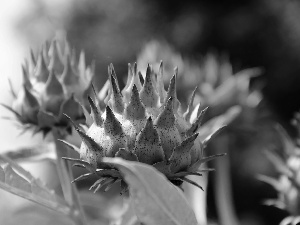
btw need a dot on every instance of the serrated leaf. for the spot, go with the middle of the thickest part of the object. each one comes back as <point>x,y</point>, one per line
<point>155,199</point>
<point>16,180</point>
<point>32,153</point>
<point>35,215</point>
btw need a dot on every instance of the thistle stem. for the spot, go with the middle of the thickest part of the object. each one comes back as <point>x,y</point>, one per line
<point>223,189</point>
<point>65,175</point>
<point>197,197</point>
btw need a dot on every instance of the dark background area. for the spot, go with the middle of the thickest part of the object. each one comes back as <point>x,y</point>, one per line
<point>254,33</point>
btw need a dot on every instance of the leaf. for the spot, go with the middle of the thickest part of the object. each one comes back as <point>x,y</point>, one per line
<point>35,215</point>
<point>155,200</point>
<point>100,208</point>
<point>16,180</point>
<point>32,153</point>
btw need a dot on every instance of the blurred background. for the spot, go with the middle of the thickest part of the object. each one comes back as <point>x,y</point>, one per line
<point>251,33</point>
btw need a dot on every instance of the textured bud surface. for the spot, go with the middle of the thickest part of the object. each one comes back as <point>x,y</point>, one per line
<point>54,82</point>
<point>142,123</point>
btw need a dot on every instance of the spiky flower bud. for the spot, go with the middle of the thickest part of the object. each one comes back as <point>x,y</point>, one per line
<point>54,82</point>
<point>142,123</point>
<point>288,183</point>
<point>218,87</point>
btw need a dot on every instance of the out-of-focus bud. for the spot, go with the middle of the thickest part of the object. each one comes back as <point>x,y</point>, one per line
<point>55,82</point>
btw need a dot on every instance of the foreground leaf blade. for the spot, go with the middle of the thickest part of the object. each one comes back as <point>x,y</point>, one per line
<point>32,153</point>
<point>155,199</point>
<point>16,180</point>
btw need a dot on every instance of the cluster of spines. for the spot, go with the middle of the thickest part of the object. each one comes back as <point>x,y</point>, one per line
<point>53,81</point>
<point>157,140</point>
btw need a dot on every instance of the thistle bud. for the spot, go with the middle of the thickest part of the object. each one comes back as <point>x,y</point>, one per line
<point>53,87</point>
<point>143,123</point>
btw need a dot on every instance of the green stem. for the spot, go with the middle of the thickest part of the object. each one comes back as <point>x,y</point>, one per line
<point>65,175</point>
<point>223,189</point>
<point>197,197</point>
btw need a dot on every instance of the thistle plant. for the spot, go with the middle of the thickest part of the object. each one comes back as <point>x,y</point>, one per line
<point>142,123</point>
<point>222,90</point>
<point>217,85</point>
<point>54,82</point>
<point>287,164</point>
<point>143,138</point>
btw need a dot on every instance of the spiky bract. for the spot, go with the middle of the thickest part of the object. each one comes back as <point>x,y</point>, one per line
<point>218,87</point>
<point>144,123</point>
<point>54,82</point>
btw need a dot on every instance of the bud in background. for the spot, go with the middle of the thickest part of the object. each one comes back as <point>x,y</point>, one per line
<point>222,90</point>
<point>287,164</point>
<point>218,86</point>
<point>54,82</point>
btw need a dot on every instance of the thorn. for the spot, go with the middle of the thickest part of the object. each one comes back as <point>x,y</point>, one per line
<point>160,83</point>
<point>148,94</point>
<point>81,62</point>
<point>172,92</point>
<point>69,76</point>
<point>181,156</point>
<point>96,97</point>
<point>135,69</point>
<point>116,99</point>
<point>111,124</point>
<point>55,61</point>
<point>141,78</point>
<point>134,81</point>
<point>30,99</point>
<point>195,126</point>
<point>95,113</point>
<point>82,177</point>
<point>135,109</point>
<point>53,86</point>
<point>26,80</point>
<point>187,114</point>
<point>11,88</point>
<point>41,71</point>
<point>114,75</point>
<point>75,148</point>
<point>166,118</point>
<point>191,182</point>
<point>147,145</point>
<point>88,141</point>
<point>129,77</point>
<point>86,164</point>
<point>32,57</point>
